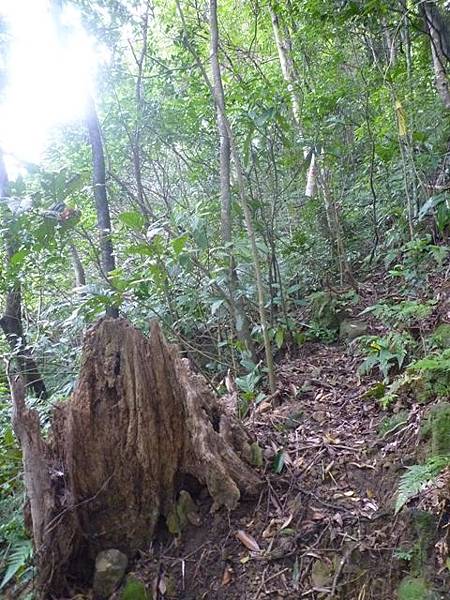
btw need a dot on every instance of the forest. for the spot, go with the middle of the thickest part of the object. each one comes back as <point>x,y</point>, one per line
<point>224,299</point>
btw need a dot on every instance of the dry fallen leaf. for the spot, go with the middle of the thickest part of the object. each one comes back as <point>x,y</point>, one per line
<point>248,541</point>
<point>329,439</point>
<point>162,586</point>
<point>227,575</point>
<point>264,407</point>
<point>287,522</point>
<point>271,529</point>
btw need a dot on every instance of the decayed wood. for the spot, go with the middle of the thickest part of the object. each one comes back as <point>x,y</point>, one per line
<point>138,422</point>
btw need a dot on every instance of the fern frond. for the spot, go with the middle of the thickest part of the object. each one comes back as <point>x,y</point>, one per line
<point>417,478</point>
<point>18,557</point>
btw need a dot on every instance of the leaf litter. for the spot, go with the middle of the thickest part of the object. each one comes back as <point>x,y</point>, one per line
<point>324,524</point>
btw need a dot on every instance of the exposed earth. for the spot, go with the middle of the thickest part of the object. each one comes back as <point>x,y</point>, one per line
<point>324,527</point>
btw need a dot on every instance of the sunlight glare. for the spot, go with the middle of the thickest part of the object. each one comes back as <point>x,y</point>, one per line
<point>48,76</point>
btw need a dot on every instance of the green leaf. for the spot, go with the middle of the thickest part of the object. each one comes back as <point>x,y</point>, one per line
<point>279,337</point>
<point>418,477</point>
<point>18,557</point>
<point>179,243</point>
<point>18,258</point>
<point>132,219</point>
<point>278,463</point>
<point>430,204</point>
<point>140,250</point>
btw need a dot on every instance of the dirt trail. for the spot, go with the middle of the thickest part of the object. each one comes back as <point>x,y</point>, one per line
<point>324,524</point>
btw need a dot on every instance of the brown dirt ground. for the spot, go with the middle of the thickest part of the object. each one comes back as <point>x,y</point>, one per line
<point>325,526</point>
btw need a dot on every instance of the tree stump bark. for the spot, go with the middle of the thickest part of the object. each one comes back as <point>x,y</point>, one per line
<point>138,423</point>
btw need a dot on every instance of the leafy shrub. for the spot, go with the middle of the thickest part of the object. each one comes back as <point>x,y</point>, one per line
<point>419,257</point>
<point>385,352</point>
<point>438,206</point>
<point>425,378</point>
<point>389,424</point>
<point>15,547</point>
<point>413,588</point>
<point>247,385</point>
<point>317,332</point>
<point>405,312</point>
<point>434,371</point>
<point>440,338</point>
<point>17,560</point>
<point>328,309</point>
<point>418,477</point>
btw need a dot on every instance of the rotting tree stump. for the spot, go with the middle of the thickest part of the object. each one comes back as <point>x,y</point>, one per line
<point>138,424</point>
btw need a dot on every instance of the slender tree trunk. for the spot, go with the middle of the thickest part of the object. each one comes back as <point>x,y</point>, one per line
<point>219,97</point>
<point>284,47</point>
<point>136,136</point>
<point>438,33</point>
<point>220,104</point>
<point>317,174</point>
<point>11,321</point>
<point>78,269</point>
<point>335,228</point>
<point>107,259</point>
<point>236,305</point>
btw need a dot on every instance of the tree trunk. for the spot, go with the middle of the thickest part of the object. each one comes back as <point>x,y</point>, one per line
<point>438,32</point>
<point>317,174</point>
<point>11,321</point>
<point>237,308</point>
<point>78,269</point>
<point>284,48</point>
<point>107,260</point>
<point>219,99</point>
<point>139,426</point>
<point>335,229</point>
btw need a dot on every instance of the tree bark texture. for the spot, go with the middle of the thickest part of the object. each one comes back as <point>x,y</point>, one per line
<point>107,259</point>
<point>284,47</point>
<point>439,40</point>
<point>138,423</point>
<point>237,308</point>
<point>219,99</point>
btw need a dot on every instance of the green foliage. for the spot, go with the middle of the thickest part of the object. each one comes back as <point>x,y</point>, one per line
<point>438,207</point>
<point>433,372</point>
<point>390,424</point>
<point>134,589</point>
<point>403,554</point>
<point>316,332</point>
<point>405,312</point>
<point>328,309</point>
<point>439,422</point>
<point>385,352</point>
<point>440,337</point>
<point>16,559</point>
<point>413,588</point>
<point>426,379</point>
<point>419,258</point>
<point>173,262</point>
<point>418,477</point>
<point>248,385</point>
